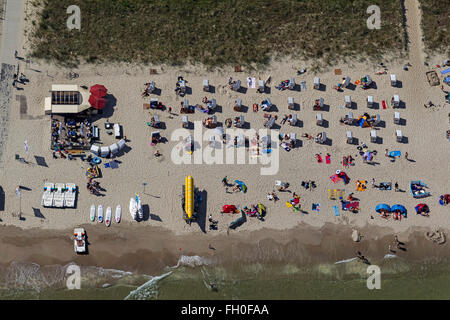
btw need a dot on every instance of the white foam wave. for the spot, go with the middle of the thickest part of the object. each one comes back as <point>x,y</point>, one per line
<point>191,261</point>
<point>390,256</point>
<point>345,261</point>
<point>147,290</point>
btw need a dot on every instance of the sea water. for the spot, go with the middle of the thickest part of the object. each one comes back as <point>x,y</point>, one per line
<point>197,278</point>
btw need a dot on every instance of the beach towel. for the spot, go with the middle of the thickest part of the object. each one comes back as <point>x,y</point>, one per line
<point>335,178</point>
<point>319,160</point>
<point>288,204</point>
<point>328,159</point>
<point>384,104</point>
<point>395,153</point>
<point>445,71</point>
<point>336,211</point>
<point>316,207</point>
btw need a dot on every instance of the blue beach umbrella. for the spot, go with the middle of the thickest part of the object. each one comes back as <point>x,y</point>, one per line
<point>382,207</point>
<point>399,208</point>
<point>242,185</point>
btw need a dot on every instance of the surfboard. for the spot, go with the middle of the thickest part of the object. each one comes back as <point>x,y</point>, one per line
<point>92,215</point>
<point>108,216</point>
<point>100,213</point>
<point>118,213</point>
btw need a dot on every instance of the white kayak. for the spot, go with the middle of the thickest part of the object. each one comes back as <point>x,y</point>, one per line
<point>108,216</point>
<point>93,212</point>
<point>100,213</point>
<point>133,208</point>
<point>118,213</point>
<point>139,207</point>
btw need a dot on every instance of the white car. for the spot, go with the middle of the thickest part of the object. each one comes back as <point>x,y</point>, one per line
<point>79,240</point>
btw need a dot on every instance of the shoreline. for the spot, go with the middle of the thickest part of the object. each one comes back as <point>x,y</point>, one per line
<point>151,250</point>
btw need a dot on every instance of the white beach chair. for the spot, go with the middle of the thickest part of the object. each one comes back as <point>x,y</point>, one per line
<point>182,86</point>
<point>317,83</point>
<point>261,86</point>
<point>212,104</point>
<point>104,152</point>
<point>397,117</point>
<point>240,140</point>
<point>393,80</point>
<point>238,103</point>
<point>399,135</point>
<point>58,196</point>
<point>369,101</point>
<point>206,85</point>
<point>237,85</point>
<point>157,122</point>
<point>350,116</point>
<point>114,149</point>
<point>186,103</point>
<point>349,137</point>
<point>346,82</point>
<point>290,103</point>
<point>151,87</point>
<point>377,120</point>
<point>212,141</point>
<point>291,84</point>
<point>214,120</point>
<point>69,195</point>
<point>348,102</point>
<point>47,196</point>
<point>95,149</point>
<point>185,122</point>
<point>117,131</point>
<point>319,119</point>
<point>293,120</point>
<point>240,122</point>
<point>266,105</point>
<point>270,123</point>
<point>395,101</point>
<point>324,137</point>
<point>293,138</point>
<point>373,136</point>
<point>121,144</point>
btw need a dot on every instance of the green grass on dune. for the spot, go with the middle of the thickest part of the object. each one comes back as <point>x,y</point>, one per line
<point>436,25</point>
<point>214,32</point>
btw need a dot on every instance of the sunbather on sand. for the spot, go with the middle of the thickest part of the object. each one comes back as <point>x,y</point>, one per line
<point>307,135</point>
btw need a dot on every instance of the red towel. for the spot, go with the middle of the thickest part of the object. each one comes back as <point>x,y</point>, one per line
<point>319,160</point>
<point>384,104</point>
<point>328,160</point>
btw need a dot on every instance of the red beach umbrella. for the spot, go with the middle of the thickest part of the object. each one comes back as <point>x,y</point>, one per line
<point>98,90</point>
<point>97,102</point>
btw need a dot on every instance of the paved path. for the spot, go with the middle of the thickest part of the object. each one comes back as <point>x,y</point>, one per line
<point>11,31</point>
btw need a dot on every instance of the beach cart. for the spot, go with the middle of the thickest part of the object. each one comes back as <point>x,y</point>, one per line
<point>399,136</point>
<point>290,103</point>
<point>319,119</point>
<point>369,101</point>
<point>206,85</point>
<point>317,83</point>
<point>349,137</point>
<point>348,102</point>
<point>393,80</point>
<point>397,117</point>
<point>291,85</point>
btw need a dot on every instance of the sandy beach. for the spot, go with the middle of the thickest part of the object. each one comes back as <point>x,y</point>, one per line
<point>43,234</point>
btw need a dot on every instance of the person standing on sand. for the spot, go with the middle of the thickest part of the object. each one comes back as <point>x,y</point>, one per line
<point>396,187</point>
<point>386,153</point>
<point>406,155</point>
<point>373,182</point>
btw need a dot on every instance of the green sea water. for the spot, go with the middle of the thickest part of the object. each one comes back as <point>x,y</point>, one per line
<point>399,280</point>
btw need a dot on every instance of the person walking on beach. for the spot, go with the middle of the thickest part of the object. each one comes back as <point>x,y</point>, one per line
<point>373,182</point>
<point>386,153</point>
<point>396,187</point>
<point>406,155</point>
<point>225,181</point>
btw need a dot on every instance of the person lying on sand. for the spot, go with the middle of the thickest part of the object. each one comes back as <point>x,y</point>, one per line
<point>307,135</point>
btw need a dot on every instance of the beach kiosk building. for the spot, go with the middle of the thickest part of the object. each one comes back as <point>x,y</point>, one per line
<point>67,98</point>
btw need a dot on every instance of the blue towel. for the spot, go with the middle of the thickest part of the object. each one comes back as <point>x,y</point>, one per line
<point>336,211</point>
